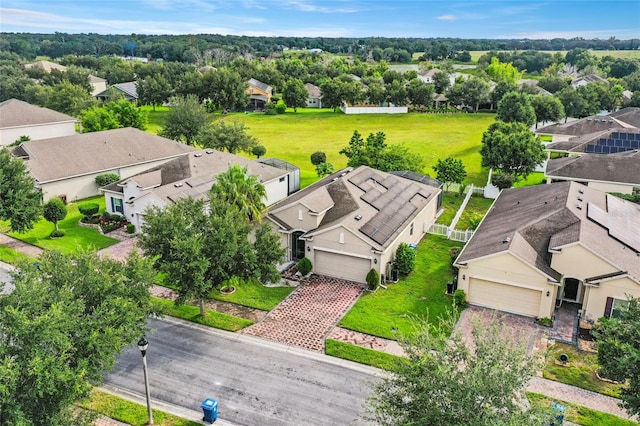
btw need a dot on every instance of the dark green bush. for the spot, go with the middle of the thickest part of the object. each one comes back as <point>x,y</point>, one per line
<point>88,209</point>
<point>405,259</point>
<point>57,233</point>
<point>459,297</point>
<point>281,107</point>
<point>131,228</point>
<point>373,279</point>
<point>318,157</point>
<point>270,109</point>
<point>304,266</point>
<point>502,181</point>
<point>106,179</point>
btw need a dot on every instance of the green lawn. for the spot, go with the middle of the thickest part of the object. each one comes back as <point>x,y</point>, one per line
<point>212,319</point>
<point>76,237</point>
<point>534,178</point>
<point>580,372</point>
<point>255,295</point>
<point>365,356</point>
<point>294,137</point>
<point>451,202</point>
<point>476,208</point>
<point>420,295</point>
<point>11,256</point>
<point>129,412</point>
<point>155,118</point>
<point>580,414</point>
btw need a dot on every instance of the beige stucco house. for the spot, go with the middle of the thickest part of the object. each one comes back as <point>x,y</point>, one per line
<point>19,118</point>
<point>189,175</point>
<point>67,166</point>
<point>541,246</point>
<point>353,221</point>
<point>259,94</point>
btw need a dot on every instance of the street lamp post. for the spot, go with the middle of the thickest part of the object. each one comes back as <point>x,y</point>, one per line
<point>143,344</point>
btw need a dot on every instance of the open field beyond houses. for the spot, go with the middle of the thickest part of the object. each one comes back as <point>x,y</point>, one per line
<point>294,137</point>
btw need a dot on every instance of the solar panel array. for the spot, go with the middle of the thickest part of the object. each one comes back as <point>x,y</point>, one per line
<point>384,224</point>
<point>616,142</point>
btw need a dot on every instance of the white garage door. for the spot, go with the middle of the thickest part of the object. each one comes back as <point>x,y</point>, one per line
<point>342,266</point>
<point>504,297</point>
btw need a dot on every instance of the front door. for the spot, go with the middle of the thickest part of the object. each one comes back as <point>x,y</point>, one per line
<point>297,246</point>
<point>571,287</point>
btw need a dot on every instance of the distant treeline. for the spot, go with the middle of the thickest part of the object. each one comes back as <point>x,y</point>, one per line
<point>193,48</point>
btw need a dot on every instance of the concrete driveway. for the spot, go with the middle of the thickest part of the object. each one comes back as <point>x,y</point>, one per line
<point>307,316</point>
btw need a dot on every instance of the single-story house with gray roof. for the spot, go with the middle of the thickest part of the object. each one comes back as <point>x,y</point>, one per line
<point>353,221</point>
<point>606,172</point>
<point>67,166</point>
<point>622,120</point>
<point>543,246</point>
<point>128,90</point>
<point>19,118</point>
<point>189,175</point>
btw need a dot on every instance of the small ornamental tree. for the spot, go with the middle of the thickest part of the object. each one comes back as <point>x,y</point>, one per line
<point>304,266</point>
<point>89,209</point>
<point>450,170</point>
<point>405,259</point>
<point>373,279</point>
<point>259,151</point>
<point>324,169</point>
<point>105,179</point>
<point>54,211</point>
<point>318,157</point>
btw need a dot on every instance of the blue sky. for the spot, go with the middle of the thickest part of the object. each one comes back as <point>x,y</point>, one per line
<point>329,18</point>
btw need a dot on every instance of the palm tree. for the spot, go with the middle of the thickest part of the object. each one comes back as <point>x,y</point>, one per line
<point>239,189</point>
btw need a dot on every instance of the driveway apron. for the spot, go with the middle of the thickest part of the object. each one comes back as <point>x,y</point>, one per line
<point>309,313</point>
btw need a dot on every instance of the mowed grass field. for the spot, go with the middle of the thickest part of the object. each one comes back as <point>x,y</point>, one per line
<point>293,137</point>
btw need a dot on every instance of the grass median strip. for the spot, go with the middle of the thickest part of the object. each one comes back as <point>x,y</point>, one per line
<point>579,413</point>
<point>362,355</point>
<point>212,319</point>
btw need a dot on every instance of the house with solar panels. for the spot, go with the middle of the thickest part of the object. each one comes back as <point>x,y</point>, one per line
<point>544,248</point>
<point>353,220</point>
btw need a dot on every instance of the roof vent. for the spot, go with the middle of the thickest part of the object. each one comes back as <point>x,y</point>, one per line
<point>579,198</point>
<point>209,151</point>
<point>177,185</point>
<point>358,217</point>
<point>506,240</point>
<point>581,191</point>
<point>343,173</point>
<point>334,179</point>
<point>198,154</point>
<point>579,206</point>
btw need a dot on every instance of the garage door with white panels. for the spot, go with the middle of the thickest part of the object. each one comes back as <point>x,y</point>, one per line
<point>504,297</point>
<point>342,266</point>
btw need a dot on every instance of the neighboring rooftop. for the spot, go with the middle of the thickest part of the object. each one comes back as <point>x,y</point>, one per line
<point>627,118</point>
<point>314,91</point>
<point>62,157</point>
<point>17,113</point>
<point>610,141</point>
<point>604,168</point>
<point>47,66</point>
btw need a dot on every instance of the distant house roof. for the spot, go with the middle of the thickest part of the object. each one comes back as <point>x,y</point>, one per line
<point>260,85</point>
<point>615,168</point>
<point>430,73</point>
<point>376,205</point>
<point>47,66</point>
<point>627,118</point>
<point>193,174</point>
<point>611,141</point>
<point>587,79</point>
<point>314,91</point>
<point>87,153</point>
<point>529,222</point>
<point>207,68</point>
<point>93,79</point>
<point>17,113</point>
<point>128,89</point>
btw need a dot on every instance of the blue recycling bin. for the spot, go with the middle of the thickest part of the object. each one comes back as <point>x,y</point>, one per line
<point>210,410</point>
<point>559,410</point>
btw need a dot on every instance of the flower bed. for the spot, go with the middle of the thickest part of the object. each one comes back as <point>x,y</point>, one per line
<point>106,222</point>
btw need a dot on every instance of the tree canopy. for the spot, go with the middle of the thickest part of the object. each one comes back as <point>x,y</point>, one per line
<point>185,120</point>
<point>20,201</point>
<point>227,136</point>
<point>62,327</point>
<point>511,148</point>
<point>295,94</point>
<point>516,106</point>
<point>448,381</point>
<point>239,189</point>
<point>450,170</point>
<point>374,152</point>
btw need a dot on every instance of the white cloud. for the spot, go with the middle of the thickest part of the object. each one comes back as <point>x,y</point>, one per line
<point>447,18</point>
<point>306,6</point>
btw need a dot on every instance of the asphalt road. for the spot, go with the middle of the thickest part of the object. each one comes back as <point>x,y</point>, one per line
<point>255,382</point>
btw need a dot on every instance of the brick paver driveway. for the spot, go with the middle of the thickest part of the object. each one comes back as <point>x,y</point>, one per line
<point>309,313</point>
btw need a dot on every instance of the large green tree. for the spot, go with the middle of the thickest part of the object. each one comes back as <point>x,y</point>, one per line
<point>185,120</point>
<point>619,353</point>
<point>450,170</point>
<point>244,191</point>
<point>20,201</point>
<point>448,381</point>
<point>511,148</point>
<point>227,136</point>
<point>547,108</point>
<point>499,71</point>
<point>374,152</point>
<point>113,115</point>
<point>61,329</point>
<point>153,90</point>
<point>516,106</point>
<point>226,89</point>
<point>295,94</point>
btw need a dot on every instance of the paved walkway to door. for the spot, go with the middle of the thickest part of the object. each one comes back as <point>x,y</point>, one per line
<point>308,314</point>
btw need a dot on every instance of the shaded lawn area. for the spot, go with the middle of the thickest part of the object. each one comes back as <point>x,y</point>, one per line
<point>212,318</point>
<point>420,295</point>
<point>365,356</point>
<point>451,202</point>
<point>476,208</point>
<point>579,413</point>
<point>534,178</point>
<point>293,137</point>
<point>129,412</point>
<point>254,295</point>
<point>75,238</point>
<point>580,372</point>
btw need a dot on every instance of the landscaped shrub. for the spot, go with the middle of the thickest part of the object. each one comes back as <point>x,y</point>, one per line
<point>270,109</point>
<point>459,297</point>
<point>502,181</point>
<point>318,157</point>
<point>131,228</point>
<point>56,233</point>
<point>106,178</point>
<point>281,107</point>
<point>453,254</point>
<point>304,266</point>
<point>88,209</point>
<point>111,222</point>
<point>373,279</point>
<point>405,259</point>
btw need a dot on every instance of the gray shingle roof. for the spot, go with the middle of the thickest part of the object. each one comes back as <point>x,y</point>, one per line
<point>528,221</point>
<point>314,91</point>
<point>260,85</point>
<point>627,118</point>
<point>600,167</point>
<point>17,113</point>
<point>64,157</point>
